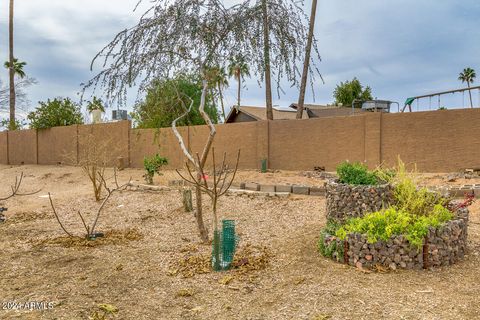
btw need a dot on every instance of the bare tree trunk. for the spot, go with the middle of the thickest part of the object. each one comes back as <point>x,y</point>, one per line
<point>199,215</point>
<point>200,163</point>
<point>470,93</point>
<point>12,70</point>
<point>238,90</point>
<point>306,62</point>
<point>221,102</point>
<point>266,53</point>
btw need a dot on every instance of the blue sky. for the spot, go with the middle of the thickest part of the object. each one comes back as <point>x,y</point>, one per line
<point>400,48</point>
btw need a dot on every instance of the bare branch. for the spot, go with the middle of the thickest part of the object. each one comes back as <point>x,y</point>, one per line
<point>56,216</point>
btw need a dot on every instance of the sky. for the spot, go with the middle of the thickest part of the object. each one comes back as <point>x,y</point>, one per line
<point>400,48</point>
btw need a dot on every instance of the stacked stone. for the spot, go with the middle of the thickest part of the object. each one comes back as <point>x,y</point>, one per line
<point>345,201</point>
<point>447,244</point>
<point>394,253</point>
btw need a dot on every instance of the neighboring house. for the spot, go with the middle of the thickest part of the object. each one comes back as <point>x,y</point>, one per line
<point>247,113</point>
<point>320,111</point>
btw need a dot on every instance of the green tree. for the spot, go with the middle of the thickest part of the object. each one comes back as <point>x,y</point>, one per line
<point>238,68</point>
<point>468,75</point>
<point>166,101</point>
<point>217,79</point>
<point>348,91</point>
<point>55,113</point>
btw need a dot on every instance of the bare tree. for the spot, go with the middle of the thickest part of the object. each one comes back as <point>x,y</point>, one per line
<point>183,36</point>
<point>222,180</point>
<point>90,228</point>
<point>306,62</point>
<point>16,187</point>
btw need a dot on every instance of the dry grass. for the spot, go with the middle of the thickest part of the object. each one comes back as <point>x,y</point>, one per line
<point>278,276</point>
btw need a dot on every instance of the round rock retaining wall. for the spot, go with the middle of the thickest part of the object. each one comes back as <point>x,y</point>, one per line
<point>444,245</point>
<point>345,201</point>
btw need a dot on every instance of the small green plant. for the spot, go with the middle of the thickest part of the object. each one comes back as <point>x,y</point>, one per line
<point>104,312</point>
<point>328,250</point>
<point>152,165</point>
<point>383,224</point>
<point>355,174</point>
<point>442,108</point>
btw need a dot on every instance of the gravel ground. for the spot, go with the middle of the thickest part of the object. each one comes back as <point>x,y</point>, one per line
<point>148,234</point>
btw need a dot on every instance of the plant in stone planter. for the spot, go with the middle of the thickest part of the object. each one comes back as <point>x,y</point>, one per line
<point>355,174</point>
<point>152,165</point>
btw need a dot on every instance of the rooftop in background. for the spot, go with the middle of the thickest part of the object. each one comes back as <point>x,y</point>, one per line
<point>250,113</point>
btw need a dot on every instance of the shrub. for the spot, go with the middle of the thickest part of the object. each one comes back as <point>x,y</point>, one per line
<point>383,224</point>
<point>152,165</point>
<point>331,248</point>
<point>408,197</point>
<point>356,174</point>
<point>59,112</point>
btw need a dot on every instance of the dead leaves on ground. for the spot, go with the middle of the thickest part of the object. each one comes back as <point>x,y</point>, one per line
<point>247,259</point>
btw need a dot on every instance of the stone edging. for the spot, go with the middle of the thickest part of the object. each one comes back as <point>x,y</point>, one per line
<point>443,246</point>
<point>346,201</point>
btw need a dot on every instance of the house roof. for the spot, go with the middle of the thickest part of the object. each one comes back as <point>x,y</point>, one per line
<point>314,106</point>
<point>259,113</point>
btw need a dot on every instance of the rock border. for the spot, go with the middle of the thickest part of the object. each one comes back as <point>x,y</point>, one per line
<point>345,201</point>
<point>443,246</point>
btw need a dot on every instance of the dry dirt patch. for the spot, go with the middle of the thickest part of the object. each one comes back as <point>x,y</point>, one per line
<point>133,274</point>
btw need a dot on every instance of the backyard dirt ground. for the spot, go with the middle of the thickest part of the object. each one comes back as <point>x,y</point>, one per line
<point>136,267</point>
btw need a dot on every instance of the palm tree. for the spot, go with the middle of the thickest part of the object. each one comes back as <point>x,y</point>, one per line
<point>238,69</point>
<point>11,66</point>
<point>17,67</point>
<point>266,57</point>
<point>217,78</point>
<point>468,75</point>
<point>306,62</point>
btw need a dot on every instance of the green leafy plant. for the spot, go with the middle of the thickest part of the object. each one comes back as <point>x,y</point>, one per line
<point>383,224</point>
<point>355,174</point>
<point>54,113</point>
<point>95,104</point>
<point>328,250</point>
<point>152,165</point>
<point>408,197</point>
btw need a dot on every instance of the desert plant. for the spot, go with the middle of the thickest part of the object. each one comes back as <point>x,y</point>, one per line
<point>152,165</point>
<point>408,197</point>
<point>355,174</point>
<point>90,228</point>
<point>93,159</point>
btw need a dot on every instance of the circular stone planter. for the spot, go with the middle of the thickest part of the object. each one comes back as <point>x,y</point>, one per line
<point>443,246</point>
<point>346,201</point>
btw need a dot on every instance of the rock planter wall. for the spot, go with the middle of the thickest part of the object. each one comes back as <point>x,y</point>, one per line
<point>444,245</point>
<point>345,201</point>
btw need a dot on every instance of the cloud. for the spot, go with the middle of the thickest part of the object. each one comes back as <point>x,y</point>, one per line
<point>400,48</point>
